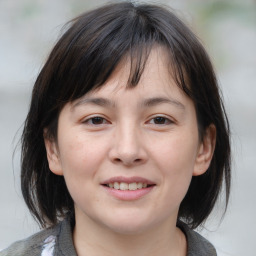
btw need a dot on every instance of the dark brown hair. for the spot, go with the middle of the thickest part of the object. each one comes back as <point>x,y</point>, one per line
<point>82,60</point>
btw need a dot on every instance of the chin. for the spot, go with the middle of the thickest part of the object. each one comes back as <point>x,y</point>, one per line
<point>129,226</point>
<point>128,229</point>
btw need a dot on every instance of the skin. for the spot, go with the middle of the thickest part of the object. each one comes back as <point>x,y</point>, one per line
<point>128,134</point>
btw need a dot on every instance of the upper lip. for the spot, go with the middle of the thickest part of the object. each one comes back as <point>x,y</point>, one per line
<point>128,180</point>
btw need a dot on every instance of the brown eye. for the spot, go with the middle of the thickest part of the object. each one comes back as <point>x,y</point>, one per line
<point>159,120</point>
<point>97,120</point>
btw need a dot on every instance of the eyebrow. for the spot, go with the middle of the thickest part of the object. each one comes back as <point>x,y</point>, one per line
<point>159,100</point>
<point>150,102</point>
<point>94,101</point>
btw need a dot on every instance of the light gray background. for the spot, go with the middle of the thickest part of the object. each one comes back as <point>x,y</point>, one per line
<point>28,30</point>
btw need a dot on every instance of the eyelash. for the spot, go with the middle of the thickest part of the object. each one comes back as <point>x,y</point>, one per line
<point>161,119</point>
<point>166,120</point>
<point>89,121</point>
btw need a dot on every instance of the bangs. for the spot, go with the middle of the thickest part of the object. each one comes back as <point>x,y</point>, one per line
<point>92,48</point>
<point>91,57</point>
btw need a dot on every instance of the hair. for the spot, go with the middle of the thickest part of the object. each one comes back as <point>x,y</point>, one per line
<point>82,60</point>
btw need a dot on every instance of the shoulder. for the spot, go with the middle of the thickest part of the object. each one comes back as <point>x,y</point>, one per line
<point>33,245</point>
<point>197,245</point>
<point>55,241</point>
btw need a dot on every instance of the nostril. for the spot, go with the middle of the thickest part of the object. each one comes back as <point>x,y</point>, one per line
<point>128,161</point>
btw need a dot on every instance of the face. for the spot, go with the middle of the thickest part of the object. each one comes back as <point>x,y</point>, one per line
<point>128,155</point>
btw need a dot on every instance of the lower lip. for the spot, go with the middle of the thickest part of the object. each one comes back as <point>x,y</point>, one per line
<point>128,195</point>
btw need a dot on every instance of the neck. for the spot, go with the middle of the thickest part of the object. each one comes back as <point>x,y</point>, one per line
<point>93,240</point>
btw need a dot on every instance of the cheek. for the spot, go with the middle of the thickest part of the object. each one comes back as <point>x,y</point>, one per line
<point>175,158</point>
<point>80,160</point>
<point>175,154</point>
<point>80,155</point>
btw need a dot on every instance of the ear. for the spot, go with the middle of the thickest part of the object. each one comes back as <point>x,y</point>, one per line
<point>205,151</point>
<point>53,156</point>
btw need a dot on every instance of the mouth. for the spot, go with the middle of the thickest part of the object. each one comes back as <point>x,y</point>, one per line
<point>128,186</point>
<point>128,183</point>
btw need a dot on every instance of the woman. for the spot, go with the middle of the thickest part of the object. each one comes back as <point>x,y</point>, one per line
<point>126,144</point>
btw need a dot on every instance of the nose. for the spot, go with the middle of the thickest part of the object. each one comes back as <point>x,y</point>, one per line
<point>128,147</point>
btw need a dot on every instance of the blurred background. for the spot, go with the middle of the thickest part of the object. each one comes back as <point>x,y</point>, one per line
<point>28,30</point>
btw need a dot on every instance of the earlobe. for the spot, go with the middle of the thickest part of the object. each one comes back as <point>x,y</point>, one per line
<point>53,156</point>
<point>205,151</point>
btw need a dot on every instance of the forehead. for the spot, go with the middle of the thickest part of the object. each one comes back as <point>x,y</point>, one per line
<point>157,75</point>
<point>156,84</point>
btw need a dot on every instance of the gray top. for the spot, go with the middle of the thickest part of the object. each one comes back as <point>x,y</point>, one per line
<point>58,241</point>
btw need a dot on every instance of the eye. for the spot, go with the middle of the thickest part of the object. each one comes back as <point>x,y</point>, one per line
<point>96,120</point>
<point>160,120</point>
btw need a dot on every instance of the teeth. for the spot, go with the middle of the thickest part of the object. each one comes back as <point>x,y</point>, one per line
<point>124,186</point>
<point>127,186</point>
<point>116,185</point>
<point>139,185</point>
<point>133,186</point>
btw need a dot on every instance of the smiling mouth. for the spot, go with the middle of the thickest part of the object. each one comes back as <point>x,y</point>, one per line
<point>128,186</point>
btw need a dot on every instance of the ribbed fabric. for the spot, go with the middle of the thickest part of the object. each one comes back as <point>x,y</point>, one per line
<point>60,237</point>
<point>197,245</point>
